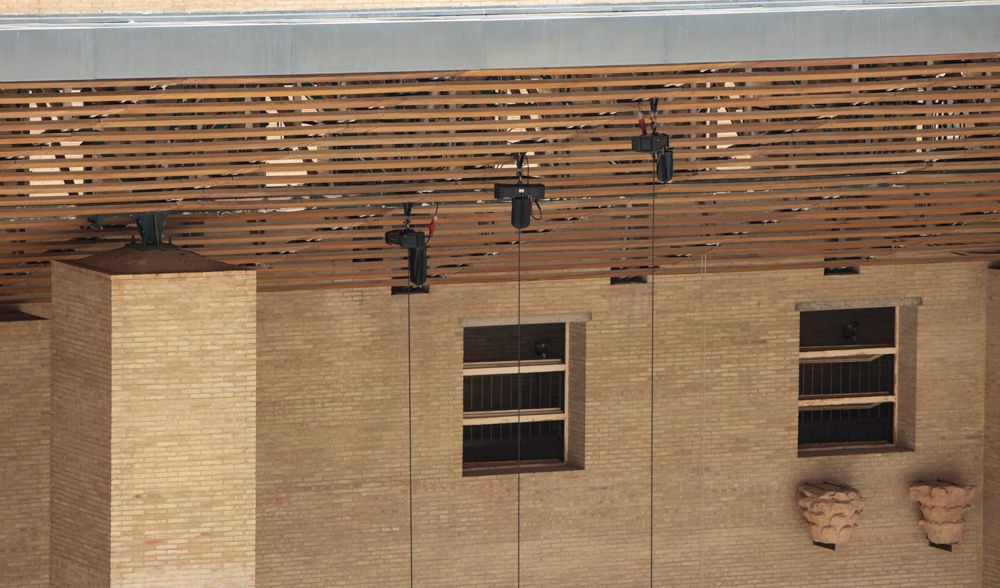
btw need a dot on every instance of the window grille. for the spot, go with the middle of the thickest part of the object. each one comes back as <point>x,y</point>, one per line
<point>494,378</point>
<point>848,372</point>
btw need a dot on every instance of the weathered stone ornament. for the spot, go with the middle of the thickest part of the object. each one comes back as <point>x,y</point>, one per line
<point>943,506</point>
<point>831,511</point>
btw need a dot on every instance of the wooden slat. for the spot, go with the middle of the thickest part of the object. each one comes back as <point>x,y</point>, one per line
<point>527,415</point>
<point>514,86</point>
<point>513,367</point>
<point>779,165</point>
<point>846,401</point>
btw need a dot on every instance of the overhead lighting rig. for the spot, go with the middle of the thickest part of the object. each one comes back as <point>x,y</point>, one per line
<point>521,195</point>
<point>657,145</point>
<point>415,243</point>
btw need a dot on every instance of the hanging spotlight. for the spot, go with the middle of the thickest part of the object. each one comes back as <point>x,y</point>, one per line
<point>415,242</point>
<point>521,195</point>
<point>665,166</point>
<point>656,144</point>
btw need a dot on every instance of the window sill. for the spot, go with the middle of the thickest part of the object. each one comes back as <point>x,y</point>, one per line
<point>499,470</point>
<point>838,451</point>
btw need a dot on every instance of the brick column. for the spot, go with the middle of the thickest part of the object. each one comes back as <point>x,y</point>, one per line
<point>991,453</point>
<point>153,421</point>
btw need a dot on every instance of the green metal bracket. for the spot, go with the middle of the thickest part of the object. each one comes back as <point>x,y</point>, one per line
<point>150,225</point>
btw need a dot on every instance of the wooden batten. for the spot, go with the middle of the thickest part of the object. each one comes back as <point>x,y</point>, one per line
<point>778,165</point>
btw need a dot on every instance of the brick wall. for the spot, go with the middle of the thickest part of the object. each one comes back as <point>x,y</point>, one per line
<point>332,482</point>
<point>154,428</point>
<point>24,450</point>
<point>991,493</point>
<point>331,451</point>
<point>332,488</point>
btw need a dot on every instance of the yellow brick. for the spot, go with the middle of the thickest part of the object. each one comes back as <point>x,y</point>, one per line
<point>156,468</point>
<point>24,451</point>
<point>330,499</point>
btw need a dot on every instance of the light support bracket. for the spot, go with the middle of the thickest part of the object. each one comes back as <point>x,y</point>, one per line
<point>651,143</point>
<point>149,225</point>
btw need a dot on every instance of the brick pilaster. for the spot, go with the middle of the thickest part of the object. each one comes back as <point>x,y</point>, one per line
<point>154,420</point>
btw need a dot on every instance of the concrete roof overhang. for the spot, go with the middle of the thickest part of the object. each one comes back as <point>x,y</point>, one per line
<point>89,47</point>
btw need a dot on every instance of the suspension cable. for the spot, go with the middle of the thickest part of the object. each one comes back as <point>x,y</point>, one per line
<point>701,419</point>
<point>652,364</point>
<point>518,425</point>
<point>409,417</point>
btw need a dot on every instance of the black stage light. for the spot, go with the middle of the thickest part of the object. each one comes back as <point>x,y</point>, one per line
<point>665,166</point>
<point>405,238</point>
<point>521,197</point>
<point>416,245</point>
<point>417,265</point>
<point>658,145</point>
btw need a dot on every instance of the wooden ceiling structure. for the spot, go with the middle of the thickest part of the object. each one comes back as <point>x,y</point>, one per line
<point>777,165</point>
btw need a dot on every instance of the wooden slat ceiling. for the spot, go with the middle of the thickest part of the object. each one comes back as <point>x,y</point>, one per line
<point>778,164</point>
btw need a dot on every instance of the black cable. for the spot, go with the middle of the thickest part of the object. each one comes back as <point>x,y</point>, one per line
<point>653,104</point>
<point>652,372</point>
<point>518,407</point>
<point>409,416</point>
<point>539,206</point>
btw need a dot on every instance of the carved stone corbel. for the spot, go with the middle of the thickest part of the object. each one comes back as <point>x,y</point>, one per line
<point>831,511</point>
<point>943,506</point>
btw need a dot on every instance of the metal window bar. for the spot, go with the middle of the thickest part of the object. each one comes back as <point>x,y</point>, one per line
<point>498,392</point>
<point>842,378</point>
